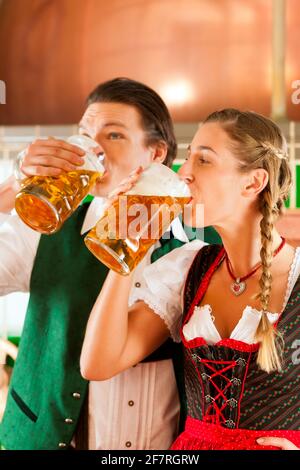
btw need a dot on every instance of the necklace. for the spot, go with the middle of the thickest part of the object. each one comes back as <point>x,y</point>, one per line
<point>239,285</point>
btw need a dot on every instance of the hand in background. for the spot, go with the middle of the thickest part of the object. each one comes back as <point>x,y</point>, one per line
<point>282,443</point>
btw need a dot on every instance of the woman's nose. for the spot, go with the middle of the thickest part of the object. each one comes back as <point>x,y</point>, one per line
<point>185,174</point>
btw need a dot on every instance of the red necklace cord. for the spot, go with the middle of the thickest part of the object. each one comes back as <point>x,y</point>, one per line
<point>241,279</point>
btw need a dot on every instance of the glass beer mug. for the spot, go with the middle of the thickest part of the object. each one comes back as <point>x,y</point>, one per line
<point>45,202</point>
<point>137,219</point>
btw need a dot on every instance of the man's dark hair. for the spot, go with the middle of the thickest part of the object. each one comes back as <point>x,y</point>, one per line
<point>155,116</point>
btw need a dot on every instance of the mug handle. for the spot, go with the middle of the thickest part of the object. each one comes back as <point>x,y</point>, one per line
<point>19,175</point>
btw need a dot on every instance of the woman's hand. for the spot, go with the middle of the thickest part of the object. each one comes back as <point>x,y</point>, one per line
<point>125,185</point>
<point>281,442</point>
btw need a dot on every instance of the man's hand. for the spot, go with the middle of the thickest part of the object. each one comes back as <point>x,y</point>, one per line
<point>50,157</point>
<point>8,191</point>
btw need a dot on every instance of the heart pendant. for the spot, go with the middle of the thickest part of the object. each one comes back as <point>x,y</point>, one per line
<point>238,287</point>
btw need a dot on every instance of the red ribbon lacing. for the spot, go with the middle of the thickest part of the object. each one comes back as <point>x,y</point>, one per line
<point>218,417</point>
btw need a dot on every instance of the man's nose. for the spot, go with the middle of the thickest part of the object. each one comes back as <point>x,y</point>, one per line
<point>98,151</point>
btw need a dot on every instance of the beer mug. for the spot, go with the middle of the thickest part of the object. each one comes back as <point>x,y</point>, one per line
<point>137,219</point>
<point>45,202</point>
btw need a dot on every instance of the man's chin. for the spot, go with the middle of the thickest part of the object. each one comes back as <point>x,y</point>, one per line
<point>100,189</point>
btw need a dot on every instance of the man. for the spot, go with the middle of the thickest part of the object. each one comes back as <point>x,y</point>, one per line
<point>46,407</point>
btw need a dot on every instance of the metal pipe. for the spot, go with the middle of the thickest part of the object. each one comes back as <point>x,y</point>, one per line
<point>278,60</point>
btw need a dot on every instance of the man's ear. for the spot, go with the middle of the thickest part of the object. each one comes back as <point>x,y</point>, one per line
<point>160,150</point>
<point>255,183</point>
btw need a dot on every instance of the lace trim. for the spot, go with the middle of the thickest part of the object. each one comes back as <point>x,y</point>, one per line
<point>290,283</point>
<point>247,309</point>
<point>272,315</point>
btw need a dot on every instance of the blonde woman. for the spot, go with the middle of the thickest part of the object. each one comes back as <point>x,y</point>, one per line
<point>235,307</point>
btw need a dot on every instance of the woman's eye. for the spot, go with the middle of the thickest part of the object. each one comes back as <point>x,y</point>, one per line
<point>196,158</point>
<point>114,136</point>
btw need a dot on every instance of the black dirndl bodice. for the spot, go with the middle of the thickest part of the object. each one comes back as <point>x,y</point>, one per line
<point>224,384</point>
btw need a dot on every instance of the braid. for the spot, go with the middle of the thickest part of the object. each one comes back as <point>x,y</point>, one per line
<point>266,254</point>
<point>268,355</point>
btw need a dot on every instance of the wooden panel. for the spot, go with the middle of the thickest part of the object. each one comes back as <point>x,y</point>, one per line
<point>38,44</point>
<point>210,54</point>
<point>293,57</point>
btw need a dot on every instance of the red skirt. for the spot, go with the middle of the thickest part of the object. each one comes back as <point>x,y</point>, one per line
<point>199,435</point>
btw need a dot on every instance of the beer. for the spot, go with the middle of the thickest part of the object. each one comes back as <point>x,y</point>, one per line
<point>134,222</point>
<point>123,254</point>
<point>45,202</point>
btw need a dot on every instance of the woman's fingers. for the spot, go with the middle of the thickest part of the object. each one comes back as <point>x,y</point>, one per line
<point>124,186</point>
<point>121,189</point>
<point>136,171</point>
<point>127,183</point>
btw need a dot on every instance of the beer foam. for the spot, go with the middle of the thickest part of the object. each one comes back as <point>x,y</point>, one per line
<point>159,180</point>
<point>92,163</point>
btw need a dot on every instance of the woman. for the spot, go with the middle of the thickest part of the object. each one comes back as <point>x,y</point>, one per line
<point>235,307</point>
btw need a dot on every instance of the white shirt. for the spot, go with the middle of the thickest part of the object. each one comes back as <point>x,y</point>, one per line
<point>163,293</point>
<point>137,409</point>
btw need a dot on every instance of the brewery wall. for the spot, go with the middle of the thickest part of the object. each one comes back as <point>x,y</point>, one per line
<point>199,54</point>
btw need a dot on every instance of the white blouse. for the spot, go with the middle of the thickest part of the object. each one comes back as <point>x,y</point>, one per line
<point>163,288</point>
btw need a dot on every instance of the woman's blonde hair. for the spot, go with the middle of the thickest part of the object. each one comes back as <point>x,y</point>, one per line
<point>258,142</point>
